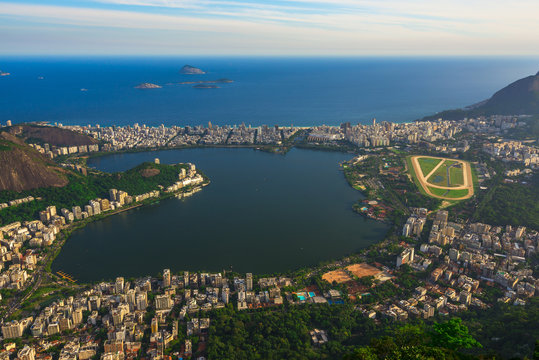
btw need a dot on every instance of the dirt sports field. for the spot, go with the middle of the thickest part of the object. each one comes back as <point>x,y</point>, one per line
<point>343,275</point>
<point>362,270</point>
<point>339,276</point>
<point>448,179</point>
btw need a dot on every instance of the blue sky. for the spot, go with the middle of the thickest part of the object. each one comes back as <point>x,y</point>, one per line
<point>275,27</point>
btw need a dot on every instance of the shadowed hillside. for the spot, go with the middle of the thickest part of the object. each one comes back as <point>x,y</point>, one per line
<point>23,168</point>
<point>518,98</point>
<point>51,135</point>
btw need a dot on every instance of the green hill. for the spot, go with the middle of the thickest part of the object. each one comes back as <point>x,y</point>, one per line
<point>80,189</point>
<point>518,98</point>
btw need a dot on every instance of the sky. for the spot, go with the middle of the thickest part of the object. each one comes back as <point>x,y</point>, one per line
<point>271,27</point>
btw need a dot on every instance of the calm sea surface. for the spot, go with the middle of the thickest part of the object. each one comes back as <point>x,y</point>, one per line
<point>262,213</point>
<point>271,91</point>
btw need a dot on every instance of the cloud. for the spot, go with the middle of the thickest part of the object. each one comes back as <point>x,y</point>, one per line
<point>285,27</point>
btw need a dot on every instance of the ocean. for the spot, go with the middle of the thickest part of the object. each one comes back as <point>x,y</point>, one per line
<point>283,91</point>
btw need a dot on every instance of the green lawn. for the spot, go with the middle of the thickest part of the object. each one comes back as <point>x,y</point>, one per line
<point>456,175</point>
<point>437,192</point>
<point>427,164</point>
<point>457,193</point>
<point>451,194</point>
<point>441,174</point>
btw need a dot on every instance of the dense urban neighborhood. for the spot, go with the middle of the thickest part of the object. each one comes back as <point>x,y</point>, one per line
<point>269,180</point>
<point>441,257</point>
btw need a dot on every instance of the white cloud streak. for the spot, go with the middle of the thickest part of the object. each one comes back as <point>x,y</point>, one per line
<point>340,27</point>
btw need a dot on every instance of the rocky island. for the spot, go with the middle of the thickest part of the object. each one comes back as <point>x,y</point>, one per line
<point>218,81</point>
<point>205,86</point>
<point>191,70</point>
<point>148,86</point>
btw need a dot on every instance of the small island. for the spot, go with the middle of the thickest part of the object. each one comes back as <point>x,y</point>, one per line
<point>205,86</point>
<point>191,70</point>
<point>2,73</point>
<point>148,86</point>
<point>218,81</point>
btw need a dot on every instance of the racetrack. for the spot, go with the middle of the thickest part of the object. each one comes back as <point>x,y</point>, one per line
<point>467,176</point>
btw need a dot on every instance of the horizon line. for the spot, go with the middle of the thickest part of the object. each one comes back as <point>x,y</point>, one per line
<point>298,56</point>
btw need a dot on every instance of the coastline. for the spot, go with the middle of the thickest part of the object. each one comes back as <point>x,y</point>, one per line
<point>69,229</point>
<point>64,235</point>
<point>263,148</point>
<point>66,232</point>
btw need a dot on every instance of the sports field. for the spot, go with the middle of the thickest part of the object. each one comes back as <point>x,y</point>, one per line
<point>449,179</point>
<point>362,270</point>
<point>339,276</point>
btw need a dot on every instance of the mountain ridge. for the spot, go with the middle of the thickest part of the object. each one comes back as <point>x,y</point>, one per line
<point>520,97</point>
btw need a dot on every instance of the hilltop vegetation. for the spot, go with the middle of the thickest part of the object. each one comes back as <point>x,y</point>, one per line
<point>514,204</point>
<point>81,189</point>
<point>284,334</point>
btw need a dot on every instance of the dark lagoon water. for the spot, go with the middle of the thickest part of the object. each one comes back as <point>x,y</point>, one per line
<point>262,213</point>
<point>283,91</point>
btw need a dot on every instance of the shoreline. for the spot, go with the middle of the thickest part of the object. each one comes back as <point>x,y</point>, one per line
<point>99,154</point>
<point>67,232</point>
<point>63,237</point>
<point>292,271</point>
<point>69,229</point>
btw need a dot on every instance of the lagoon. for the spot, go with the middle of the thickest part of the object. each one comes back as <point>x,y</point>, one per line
<point>262,213</point>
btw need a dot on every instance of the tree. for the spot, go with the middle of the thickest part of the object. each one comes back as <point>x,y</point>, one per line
<point>362,353</point>
<point>452,334</point>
